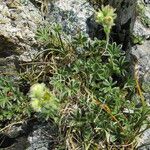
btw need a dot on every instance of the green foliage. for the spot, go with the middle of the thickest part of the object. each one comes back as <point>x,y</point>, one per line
<point>25,2</point>
<point>137,39</point>
<point>14,105</point>
<point>87,94</point>
<point>94,92</point>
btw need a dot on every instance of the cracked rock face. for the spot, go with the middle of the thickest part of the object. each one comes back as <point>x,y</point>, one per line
<point>145,141</point>
<point>18,23</point>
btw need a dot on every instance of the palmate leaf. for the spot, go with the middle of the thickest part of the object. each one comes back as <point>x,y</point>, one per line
<point>43,34</point>
<point>4,102</point>
<point>12,101</point>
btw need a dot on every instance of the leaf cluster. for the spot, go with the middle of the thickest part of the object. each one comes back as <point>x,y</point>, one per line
<point>14,106</point>
<point>94,90</point>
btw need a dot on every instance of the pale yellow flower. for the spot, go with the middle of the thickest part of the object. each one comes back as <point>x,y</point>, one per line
<point>36,105</point>
<point>37,90</point>
<point>106,16</point>
<point>42,98</point>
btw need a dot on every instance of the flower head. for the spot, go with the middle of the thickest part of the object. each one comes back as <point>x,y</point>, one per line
<point>37,90</point>
<point>42,98</point>
<point>106,17</point>
<point>36,105</point>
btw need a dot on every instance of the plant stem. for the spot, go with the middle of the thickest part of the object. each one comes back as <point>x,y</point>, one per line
<point>60,39</point>
<point>107,42</point>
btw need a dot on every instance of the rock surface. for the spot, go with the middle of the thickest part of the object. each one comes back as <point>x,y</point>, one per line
<point>32,135</point>
<point>141,30</point>
<point>142,52</point>
<point>145,141</point>
<point>142,24</point>
<point>19,20</point>
<point>72,15</point>
<point>18,24</point>
<point>42,137</point>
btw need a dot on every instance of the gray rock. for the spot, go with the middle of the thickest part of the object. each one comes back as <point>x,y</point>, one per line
<point>15,131</point>
<point>32,135</point>
<point>42,137</point>
<point>142,53</point>
<point>72,15</point>
<point>18,24</point>
<point>141,30</point>
<point>147,11</point>
<point>144,143</point>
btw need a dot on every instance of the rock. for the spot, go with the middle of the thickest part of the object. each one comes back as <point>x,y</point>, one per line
<point>42,137</point>
<point>141,30</point>
<point>18,25</point>
<point>146,1</point>
<point>145,141</point>
<point>142,24</point>
<point>72,15</point>
<point>30,135</point>
<point>6,141</point>
<point>20,144</point>
<point>15,131</point>
<point>142,53</point>
<point>147,11</point>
